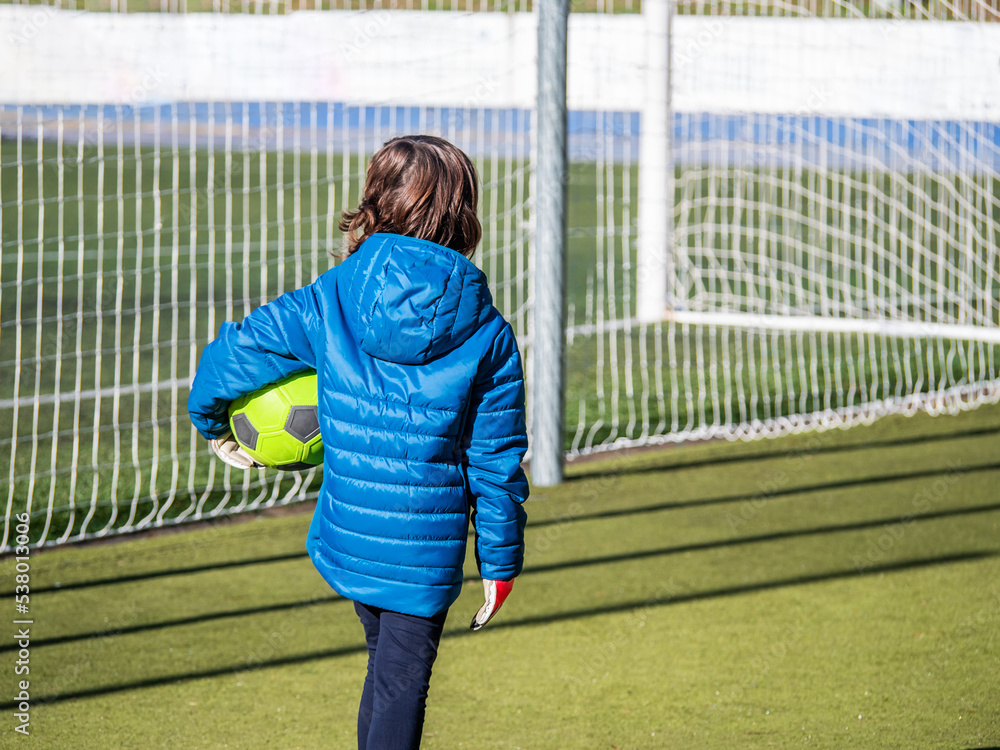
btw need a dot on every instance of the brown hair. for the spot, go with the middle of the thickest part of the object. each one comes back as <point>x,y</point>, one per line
<point>418,186</point>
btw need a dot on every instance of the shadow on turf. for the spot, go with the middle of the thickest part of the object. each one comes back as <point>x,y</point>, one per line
<point>523,622</point>
<point>163,624</point>
<point>773,536</point>
<point>146,575</point>
<point>701,502</point>
<point>585,562</point>
<point>777,454</point>
<point>768,495</point>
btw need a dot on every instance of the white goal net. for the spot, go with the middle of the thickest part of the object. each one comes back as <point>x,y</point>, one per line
<point>164,172</point>
<point>831,256</point>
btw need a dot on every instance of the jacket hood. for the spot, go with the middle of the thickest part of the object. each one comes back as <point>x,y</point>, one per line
<point>409,300</point>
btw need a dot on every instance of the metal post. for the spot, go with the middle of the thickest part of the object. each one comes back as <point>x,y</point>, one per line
<point>551,177</point>
<point>656,195</point>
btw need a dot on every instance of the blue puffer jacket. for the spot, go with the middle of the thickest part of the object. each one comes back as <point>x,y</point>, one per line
<point>421,404</point>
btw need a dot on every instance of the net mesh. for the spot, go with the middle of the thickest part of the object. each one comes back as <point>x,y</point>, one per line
<point>132,229</point>
<point>831,255</point>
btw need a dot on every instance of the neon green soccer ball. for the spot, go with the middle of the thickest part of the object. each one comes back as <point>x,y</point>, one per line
<point>278,425</point>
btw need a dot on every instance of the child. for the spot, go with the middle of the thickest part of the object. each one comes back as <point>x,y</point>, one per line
<point>421,405</point>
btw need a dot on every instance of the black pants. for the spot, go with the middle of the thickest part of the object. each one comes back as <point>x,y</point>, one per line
<point>401,652</point>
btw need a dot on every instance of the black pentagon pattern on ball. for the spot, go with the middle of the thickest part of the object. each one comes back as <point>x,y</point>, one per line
<point>303,423</point>
<point>246,433</point>
<point>299,466</point>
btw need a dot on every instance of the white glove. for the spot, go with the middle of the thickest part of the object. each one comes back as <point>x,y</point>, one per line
<point>496,594</point>
<point>227,449</point>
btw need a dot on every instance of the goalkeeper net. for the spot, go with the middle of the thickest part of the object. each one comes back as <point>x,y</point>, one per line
<point>791,222</point>
<point>831,256</point>
<point>162,173</point>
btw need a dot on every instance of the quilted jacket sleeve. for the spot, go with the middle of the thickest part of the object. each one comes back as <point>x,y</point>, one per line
<point>272,342</point>
<point>496,443</point>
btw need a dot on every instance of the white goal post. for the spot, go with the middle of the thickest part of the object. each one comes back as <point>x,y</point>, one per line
<point>856,79</point>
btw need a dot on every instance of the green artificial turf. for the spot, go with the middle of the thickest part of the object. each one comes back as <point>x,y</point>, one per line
<point>832,590</point>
